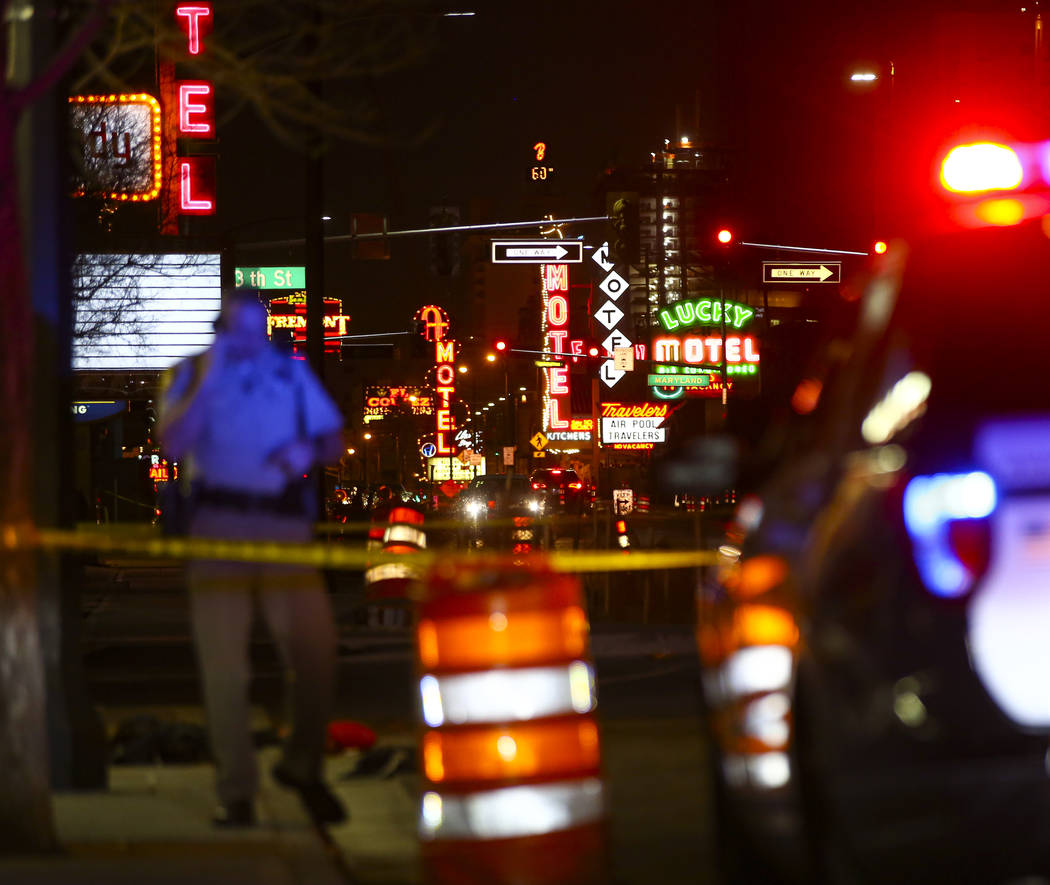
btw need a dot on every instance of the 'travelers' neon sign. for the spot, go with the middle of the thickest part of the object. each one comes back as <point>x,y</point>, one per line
<point>635,410</point>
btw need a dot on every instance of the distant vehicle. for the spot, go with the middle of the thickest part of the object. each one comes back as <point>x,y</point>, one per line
<point>359,501</point>
<point>491,507</point>
<point>496,495</point>
<point>876,645</point>
<point>562,489</point>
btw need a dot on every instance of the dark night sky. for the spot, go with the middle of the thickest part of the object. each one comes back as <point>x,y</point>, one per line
<point>599,83</point>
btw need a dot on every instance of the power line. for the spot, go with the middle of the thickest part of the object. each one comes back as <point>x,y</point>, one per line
<point>419,231</point>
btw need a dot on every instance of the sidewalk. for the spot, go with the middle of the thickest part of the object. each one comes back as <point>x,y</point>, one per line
<point>152,827</point>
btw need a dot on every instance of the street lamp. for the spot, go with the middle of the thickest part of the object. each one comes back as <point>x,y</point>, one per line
<point>877,79</point>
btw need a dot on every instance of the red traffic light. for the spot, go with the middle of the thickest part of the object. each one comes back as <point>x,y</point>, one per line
<point>879,247</point>
<point>592,351</point>
<point>725,236</point>
<point>501,345</point>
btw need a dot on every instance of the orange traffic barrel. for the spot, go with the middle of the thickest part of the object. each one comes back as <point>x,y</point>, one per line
<point>512,787</point>
<point>404,533</point>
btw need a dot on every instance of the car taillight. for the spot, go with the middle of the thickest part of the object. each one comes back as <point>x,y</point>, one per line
<point>575,485</point>
<point>539,485</point>
<point>971,542</point>
<point>946,517</point>
<point>492,505</point>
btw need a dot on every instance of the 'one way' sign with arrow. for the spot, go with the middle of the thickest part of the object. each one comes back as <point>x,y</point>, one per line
<point>801,271</point>
<point>537,251</point>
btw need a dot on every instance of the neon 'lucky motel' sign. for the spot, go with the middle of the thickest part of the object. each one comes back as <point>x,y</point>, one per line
<point>699,340</point>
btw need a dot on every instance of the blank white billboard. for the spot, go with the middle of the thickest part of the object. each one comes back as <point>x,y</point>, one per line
<point>143,312</point>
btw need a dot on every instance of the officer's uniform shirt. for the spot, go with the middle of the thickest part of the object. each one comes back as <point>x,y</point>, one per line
<point>258,406</point>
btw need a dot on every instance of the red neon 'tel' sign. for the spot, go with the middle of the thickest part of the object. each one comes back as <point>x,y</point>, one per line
<point>196,109</point>
<point>195,20</point>
<point>196,185</point>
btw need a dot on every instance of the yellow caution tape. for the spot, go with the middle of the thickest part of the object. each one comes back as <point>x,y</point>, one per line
<point>339,528</point>
<point>329,556</point>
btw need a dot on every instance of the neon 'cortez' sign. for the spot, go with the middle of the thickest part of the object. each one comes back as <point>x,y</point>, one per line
<point>705,311</point>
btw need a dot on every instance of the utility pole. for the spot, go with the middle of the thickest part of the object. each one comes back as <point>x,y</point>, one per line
<point>314,225</point>
<point>26,822</point>
<point>315,260</point>
<point>595,435</point>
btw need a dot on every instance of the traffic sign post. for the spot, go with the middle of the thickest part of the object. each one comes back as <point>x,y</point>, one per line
<point>539,441</point>
<point>623,358</point>
<point>537,251</point>
<point>801,271</point>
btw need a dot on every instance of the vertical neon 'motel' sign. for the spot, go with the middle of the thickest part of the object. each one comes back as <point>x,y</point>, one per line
<point>435,324</point>
<point>555,279</point>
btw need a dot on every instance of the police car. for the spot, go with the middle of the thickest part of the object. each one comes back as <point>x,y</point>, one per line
<point>876,643</point>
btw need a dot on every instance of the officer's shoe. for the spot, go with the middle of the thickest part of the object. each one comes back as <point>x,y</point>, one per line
<point>320,802</point>
<point>239,813</point>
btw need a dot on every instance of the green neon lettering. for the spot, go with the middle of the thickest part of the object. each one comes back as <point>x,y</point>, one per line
<point>743,314</point>
<point>669,322</point>
<point>686,312</point>
<point>703,310</point>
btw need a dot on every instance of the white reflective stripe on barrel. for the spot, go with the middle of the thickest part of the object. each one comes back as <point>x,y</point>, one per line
<point>755,669</point>
<point>389,571</point>
<point>511,812</point>
<point>510,695</point>
<point>763,771</point>
<point>405,534</point>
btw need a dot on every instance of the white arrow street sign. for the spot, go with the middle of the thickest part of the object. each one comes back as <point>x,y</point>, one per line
<point>801,273</point>
<point>610,374</point>
<point>608,315</point>
<point>537,251</point>
<point>550,253</point>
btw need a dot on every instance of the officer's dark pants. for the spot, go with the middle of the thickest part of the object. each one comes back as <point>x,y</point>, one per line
<point>294,602</point>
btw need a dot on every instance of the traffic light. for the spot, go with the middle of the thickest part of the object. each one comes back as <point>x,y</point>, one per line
<point>444,247</point>
<point>879,247</point>
<point>419,347</point>
<point>720,249</point>
<point>624,238</point>
<point>500,345</point>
